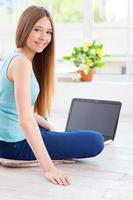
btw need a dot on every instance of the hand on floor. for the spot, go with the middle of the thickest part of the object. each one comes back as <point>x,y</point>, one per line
<point>57,177</point>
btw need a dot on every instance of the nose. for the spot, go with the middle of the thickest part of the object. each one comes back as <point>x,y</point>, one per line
<point>43,36</point>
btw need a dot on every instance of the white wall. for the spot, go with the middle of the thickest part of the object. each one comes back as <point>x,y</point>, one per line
<point>117,91</point>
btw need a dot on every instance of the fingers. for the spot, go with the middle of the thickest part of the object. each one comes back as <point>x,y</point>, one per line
<point>58,180</point>
<point>68,180</point>
<point>52,180</point>
<point>62,180</point>
<point>57,177</point>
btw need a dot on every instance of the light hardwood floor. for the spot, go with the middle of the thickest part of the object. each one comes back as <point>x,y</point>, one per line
<point>108,176</point>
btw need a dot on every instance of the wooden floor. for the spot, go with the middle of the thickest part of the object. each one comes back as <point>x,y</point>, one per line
<point>108,176</point>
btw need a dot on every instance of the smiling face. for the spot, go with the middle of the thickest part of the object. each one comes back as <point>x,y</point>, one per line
<point>40,36</point>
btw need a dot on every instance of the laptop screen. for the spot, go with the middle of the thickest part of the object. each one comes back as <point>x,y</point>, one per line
<point>97,115</point>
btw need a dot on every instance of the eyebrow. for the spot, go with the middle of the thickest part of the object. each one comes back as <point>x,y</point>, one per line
<point>42,27</point>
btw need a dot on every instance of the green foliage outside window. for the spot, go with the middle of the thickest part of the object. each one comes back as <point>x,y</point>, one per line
<point>40,2</point>
<point>98,16</point>
<point>67,11</point>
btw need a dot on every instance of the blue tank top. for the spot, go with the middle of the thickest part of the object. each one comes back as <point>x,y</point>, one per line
<point>10,130</point>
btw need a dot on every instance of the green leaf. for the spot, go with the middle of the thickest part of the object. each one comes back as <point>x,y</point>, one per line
<point>67,57</point>
<point>76,50</point>
<point>99,64</point>
<point>77,63</point>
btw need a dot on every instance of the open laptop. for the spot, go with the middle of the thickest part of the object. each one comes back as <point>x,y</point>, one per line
<point>97,115</point>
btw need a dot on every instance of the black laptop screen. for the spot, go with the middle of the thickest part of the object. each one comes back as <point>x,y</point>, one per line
<point>98,115</point>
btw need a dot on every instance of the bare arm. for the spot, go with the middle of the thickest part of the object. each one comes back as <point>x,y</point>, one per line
<point>21,70</point>
<point>21,74</point>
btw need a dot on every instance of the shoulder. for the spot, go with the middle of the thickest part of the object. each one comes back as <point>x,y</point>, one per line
<point>19,61</point>
<point>20,66</point>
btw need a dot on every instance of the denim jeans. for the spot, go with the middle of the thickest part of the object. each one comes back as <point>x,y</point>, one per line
<point>60,145</point>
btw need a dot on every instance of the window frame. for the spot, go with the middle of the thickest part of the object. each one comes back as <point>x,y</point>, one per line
<point>87,33</point>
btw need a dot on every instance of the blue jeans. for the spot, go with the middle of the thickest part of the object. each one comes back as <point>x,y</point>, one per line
<point>60,145</point>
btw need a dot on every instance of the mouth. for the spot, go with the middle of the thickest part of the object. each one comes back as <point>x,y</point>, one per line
<point>41,45</point>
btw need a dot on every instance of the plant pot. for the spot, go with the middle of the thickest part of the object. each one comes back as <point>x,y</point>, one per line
<point>86,77</point>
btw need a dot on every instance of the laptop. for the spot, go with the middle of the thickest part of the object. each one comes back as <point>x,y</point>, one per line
<point>96,115</point>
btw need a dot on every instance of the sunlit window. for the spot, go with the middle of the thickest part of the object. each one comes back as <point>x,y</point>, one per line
<point>68,18</point>
<point>110,26</point>
<point>108,21</point>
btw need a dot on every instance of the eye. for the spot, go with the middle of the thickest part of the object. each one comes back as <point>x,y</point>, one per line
<point>37,30</point>
<point>49,32</point>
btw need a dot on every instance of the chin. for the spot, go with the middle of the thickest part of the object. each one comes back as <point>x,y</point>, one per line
<point>39,50</point>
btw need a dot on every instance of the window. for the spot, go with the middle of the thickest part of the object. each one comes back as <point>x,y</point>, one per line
<point>131,36</point>
<point>10,10</point>
<point>109,21</point>
<point>110,25</point>
<point>68,20</point>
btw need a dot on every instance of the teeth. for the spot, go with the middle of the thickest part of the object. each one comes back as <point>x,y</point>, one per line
<point>40,44</point>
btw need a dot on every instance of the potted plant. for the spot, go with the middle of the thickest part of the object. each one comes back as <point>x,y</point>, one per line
<point>88,56</point>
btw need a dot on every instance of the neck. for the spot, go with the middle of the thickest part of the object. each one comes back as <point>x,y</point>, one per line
<point>30,55</point>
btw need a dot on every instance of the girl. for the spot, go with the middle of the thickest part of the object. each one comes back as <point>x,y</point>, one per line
<point>26,88</point>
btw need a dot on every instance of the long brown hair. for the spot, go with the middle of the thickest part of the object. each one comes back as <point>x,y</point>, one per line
<point>43,63</point>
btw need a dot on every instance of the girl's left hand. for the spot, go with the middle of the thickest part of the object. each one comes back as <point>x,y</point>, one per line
<point>51,127</point>
<point>44,123</point>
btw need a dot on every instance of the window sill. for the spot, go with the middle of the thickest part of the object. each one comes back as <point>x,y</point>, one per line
<point>70,77</point>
